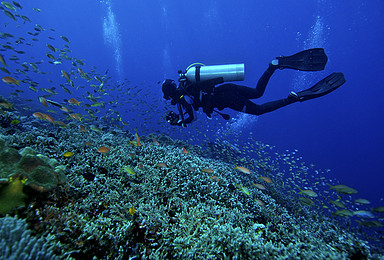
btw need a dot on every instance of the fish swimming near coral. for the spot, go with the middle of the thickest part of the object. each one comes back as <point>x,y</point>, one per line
<point>82,128</point>
<point>53,103</point>
<point>343,213</point>
<point>17,4</point>
<point>6,104</point>
<point>68,154</point>
<point>266,179</point>
<point>61,124</point>
<point>66,75</point>
<point>65,39</point>
<point>73,101</point>
<point>260,202</point>
<point>207,170</point>
<point>306,201</point>
<point>155,141</point>
<point>343,189</point>
<point>137,140</point>
<point>38,115</point>
<point>362,201</point>
<point>309,193</point>
<point>49,118</point>
<point>363,214</point>
<point>378,209</point>
<point>243,189</point>
<point>43,101</point>
<point>9,6</point>
<point>103,149</point>
<point>10,80</point>
<point>161,165</point>
<point>259,186</point>
<point>75,116</point>
<point>2,60</point>
<point>242,169</point>
<point>371,224</point>
<point>128,170</point>
<point>338,204</point>
<point>9,14</point>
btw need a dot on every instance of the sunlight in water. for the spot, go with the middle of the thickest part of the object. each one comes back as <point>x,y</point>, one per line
<point>112,36</point>
<point>166,62</point>
<point>241,122</point>
<point>316,39</point>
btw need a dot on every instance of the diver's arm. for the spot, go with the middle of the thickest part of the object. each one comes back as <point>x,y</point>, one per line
<point>191,117</point>
<point>188,110</point>
<point>178,119</point>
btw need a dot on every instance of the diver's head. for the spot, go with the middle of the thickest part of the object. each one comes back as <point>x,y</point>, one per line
<point>169,89</point>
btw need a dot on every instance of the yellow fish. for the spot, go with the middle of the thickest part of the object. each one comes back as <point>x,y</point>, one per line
<point>343,189</point>
<point>309,193</point>
<point>11,195</point>
<point>68,154</point>
<point>129,170</point>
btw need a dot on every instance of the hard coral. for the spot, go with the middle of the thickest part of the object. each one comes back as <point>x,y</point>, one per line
<point>17,242</point>
<point>38,172</point>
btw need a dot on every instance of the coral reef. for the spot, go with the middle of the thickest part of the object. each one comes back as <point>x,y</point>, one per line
<point>179,210</point>
<point>16,241</point>
<point>40,172</point>
<point>25,168</point>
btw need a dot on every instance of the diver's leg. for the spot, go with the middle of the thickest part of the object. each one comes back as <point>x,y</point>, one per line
<point>323,87</point>
<point>257,92</point>
<point>226,96</point>
<point>308,60</point>
<point>254,109</point>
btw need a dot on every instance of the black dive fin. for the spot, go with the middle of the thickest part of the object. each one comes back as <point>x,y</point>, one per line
<point>308,60</point>
<point>225,116</point>
<point>323,87</point>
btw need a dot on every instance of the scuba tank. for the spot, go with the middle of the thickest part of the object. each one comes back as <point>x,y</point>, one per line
<point>204,78</point>
<point>197,72</point>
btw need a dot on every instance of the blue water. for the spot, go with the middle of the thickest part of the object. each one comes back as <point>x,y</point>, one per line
<point>147,41</point>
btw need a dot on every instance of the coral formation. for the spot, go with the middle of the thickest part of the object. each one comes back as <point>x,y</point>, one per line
<point>189,207</point>
<point>25,168</point>
<point>41,173</point>
<point>16,241</point>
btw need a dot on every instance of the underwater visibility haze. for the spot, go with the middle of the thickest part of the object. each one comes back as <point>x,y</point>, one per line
<point>89,166</point>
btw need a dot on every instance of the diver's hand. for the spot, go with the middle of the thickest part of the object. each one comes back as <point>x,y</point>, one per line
<point>172,118</point>
<point>179,123</point>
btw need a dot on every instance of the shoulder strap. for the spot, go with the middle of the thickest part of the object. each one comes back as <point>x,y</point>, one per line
<point>181,112</point>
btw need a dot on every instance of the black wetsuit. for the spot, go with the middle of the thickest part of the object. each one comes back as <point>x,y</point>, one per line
<point>236,97</point>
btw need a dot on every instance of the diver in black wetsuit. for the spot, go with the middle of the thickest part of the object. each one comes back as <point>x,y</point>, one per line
<point>189,96</point>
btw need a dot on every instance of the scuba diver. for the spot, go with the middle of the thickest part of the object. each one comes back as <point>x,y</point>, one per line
<point>197,87</point>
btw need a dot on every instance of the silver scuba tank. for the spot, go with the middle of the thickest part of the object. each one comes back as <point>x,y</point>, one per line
<point>229,72</point>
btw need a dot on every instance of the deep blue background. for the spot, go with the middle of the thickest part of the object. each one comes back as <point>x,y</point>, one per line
<point>342,131</point>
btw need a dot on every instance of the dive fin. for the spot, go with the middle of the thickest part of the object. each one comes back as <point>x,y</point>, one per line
<point>225,116</point>
<point>322,88</point>
<point>308,60</point>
